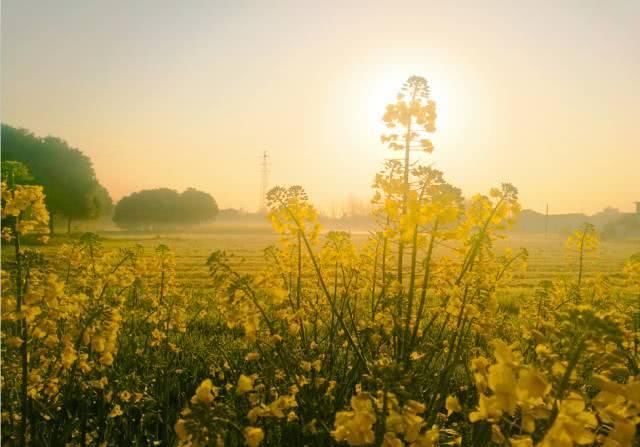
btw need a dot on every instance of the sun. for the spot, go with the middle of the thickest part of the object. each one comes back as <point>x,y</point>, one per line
<point>383,86</point>
<point>363,92</point>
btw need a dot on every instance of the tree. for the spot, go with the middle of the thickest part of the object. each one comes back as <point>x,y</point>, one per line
<point>102,201</point>
<point>410,119</point>
<point>67,175</point>
<point>165,207</point>
<point>15,172</point>
<point>197,206</point>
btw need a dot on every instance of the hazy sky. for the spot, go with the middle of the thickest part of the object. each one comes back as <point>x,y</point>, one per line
<point>545,95</point>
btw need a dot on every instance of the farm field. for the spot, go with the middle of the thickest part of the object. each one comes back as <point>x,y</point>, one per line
<point>189,314</point>
<point>548,258</point>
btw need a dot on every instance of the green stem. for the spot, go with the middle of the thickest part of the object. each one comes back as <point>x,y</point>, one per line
<point>24,355</point>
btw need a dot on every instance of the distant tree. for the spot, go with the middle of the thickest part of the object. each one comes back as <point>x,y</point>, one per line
<point>102,201</point>
<point>67,175</point>
<point>231,213</point>
<point>147,207</point>
<point>197,206</point>
<point>165,207</point>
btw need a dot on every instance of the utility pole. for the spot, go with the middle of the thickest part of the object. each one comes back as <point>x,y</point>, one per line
<point>264,184</point>
<point>546,222</point>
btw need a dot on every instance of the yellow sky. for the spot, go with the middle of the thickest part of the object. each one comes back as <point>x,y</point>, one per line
<point>540,94</point>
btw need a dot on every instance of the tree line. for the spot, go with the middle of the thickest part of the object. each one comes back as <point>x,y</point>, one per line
<point>165,206</point>
<point>72,190</point>
<point>66,174</point>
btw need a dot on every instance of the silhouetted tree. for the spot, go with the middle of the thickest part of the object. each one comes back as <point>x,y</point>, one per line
<point>102,201</point>
<point>67,175</point>
<point>165,206</point>
<point>197,206</point>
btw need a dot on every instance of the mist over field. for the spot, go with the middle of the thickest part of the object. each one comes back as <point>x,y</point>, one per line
<point>320,224</point>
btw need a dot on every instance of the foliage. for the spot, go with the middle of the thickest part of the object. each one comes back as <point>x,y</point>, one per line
<point>165,206</point>
<point>65,173</point>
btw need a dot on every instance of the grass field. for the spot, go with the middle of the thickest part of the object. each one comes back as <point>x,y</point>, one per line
<point>548,259</point>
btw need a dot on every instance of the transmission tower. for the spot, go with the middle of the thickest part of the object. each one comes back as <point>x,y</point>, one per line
<point>264,185</point>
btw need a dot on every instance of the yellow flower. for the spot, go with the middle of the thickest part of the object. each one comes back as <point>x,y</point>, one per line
<point>453,405</point>
<point>415,407</point>
<point>157,336</point>
<point>543,350</point>
<point>253,436</point>
<point>391,440</point>
<point>255,413</point>
<point>503,383</point>
<point>502,351</point>
<point>533,384</point>
<point>356,427</point>
<point>116,411</point>
<point>521,442</point>
<point>428,439</point>
<point>51,341</point>
<point>245,384</point>
<point>252,356</point>
<point>180,430</point>
<point>488,409</point>
<point>14,342</point>
<point>250,330</point>
<point>282,403</point>
<point>38,333</point>
<point>205,393</point>
<point>293,329</point>
<point>52,387</point>
<point>69,356</point>
<point>106,359</point>
<point>479,364</point>
<point>572,425</point>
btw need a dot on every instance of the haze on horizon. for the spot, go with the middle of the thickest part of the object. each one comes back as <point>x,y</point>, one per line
<point>540,94</point>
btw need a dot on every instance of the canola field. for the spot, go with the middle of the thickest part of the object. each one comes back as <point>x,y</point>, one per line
<point>547,259</point>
